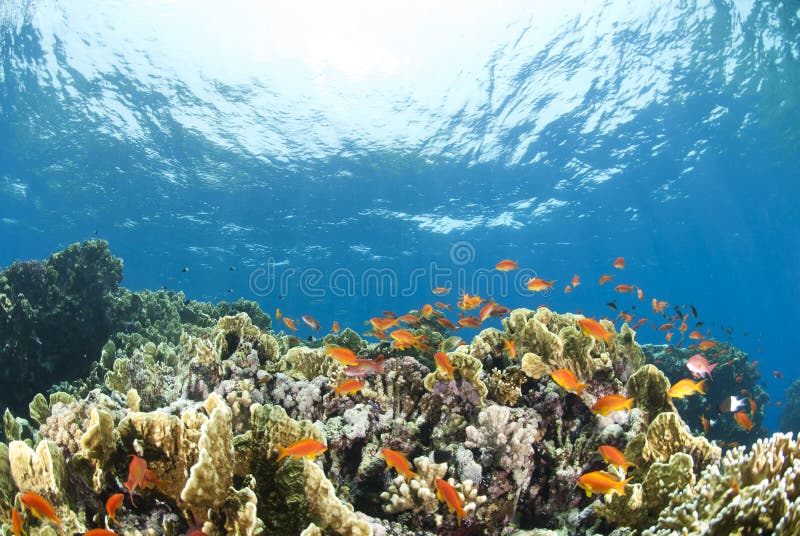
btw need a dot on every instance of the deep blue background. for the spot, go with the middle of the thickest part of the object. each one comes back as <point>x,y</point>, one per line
<point>703,205</point>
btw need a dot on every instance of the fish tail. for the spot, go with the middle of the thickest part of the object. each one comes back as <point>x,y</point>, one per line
<point>580,387</point>
<point>629,403</point>
<point>282,452</point>
<point>701,387</point>
<point>379,364</point>
<point>607,338</point>
<point>411,474</point>
<point>619,487</point>
<point>460,514</point>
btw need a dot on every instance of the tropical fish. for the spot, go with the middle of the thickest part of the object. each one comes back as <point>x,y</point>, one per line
<point>409,319</point>
<point>696,335</point>
<point>499,311</point>
<point>743,420</point>
<point>469,322</point>
<point>39,506</point>
<point>687,387</point>
<point>510,347</point>
<point>441,291</point>
<point>639,323</point>
<point>537,284</point>
<point>614,456</point>
<point>624,288</point>
<point>706,424</point>
<point>486,311</point>
<point>576,280</point>
<point>567,289</point>
<point>112,505</point>
<point>592,328</point>
<point>310,321</point>
<point>442,305</point>
<point>506,265</point>
<point>445,323</point>
<point>706,345</point>
<point>611,403</point>
<point>382,323</point>
<point>730,404</point>
<point>278,315</point>
<point>666,326</point>
<point>365,367</point>
<point>349,387</point>
<point>658,306</point>
<point>566,379</point>
<point>605,278</point>
<point>778,375</point>
<point>443,362</point>
<point>668,336</point>
<point>289,323</point>
<point>426,311</point>
<point>699,366</point>
<point>16,522</point>
<point>625,316</point>
<point>150,480</point>
<point>335,326</point>
<point>601,482</point>
<point>619,263</point>
<point>399,462</point>
<point>305,448</point>
<point>99,532</point>
<point>136,471</point>
<point>447,493</point>
<point>468,302</point>
<point>639,294</point>
<point>343,355</point>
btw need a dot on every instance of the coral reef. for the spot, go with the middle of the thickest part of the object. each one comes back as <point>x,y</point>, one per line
<point>790,417</point>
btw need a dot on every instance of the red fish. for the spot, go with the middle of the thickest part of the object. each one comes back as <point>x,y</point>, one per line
<point>611,403</point>
<point>639,294</point>
<point>39,506</point>
<point>613,456</point>
<point>699,366</point>
<point>289,323</point>
<point>365,367</point>
<point>576,280</point>
<point>567,380</point>
<point>311,322</point>
<point>506,265</point>
<point>443,306</point>
<point>343,355</point>
<point>443,362</point>
<point>445,323</point>
<point>136,471</point>
<point>658,306</point>
<point>427,310</point>
<point>511,348</point>
<point>305,448</point>
<point>619,263</point>
<point>112,505</point>
<point>696,335</point>
<point>335,327</point>
<point>382,324</point>
<point>100,532</point>
<point>399,462</point>
<point>538,284</point>
<point>592,328</point>
<point>743,420</point>
<point>349,387</point>
<point>441,291</point>
<point>605,279</point>
<point>447,493</point>
<point>16,522</point>
<point>639,323</point>
<point>624,288</point>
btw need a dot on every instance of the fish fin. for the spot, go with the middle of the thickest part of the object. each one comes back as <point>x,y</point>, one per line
<point>701,387</point>
<point>411,474</point>
<point>629,403</point>
<point>282,452</point>
<point>580,387</point>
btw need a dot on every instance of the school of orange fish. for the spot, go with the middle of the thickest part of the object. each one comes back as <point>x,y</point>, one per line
<point>388,327</point>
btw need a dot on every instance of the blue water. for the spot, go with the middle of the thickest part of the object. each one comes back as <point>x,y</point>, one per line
<point>412,139</point>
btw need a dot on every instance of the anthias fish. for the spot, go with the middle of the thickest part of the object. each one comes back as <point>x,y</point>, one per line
<point>305,448</point>
<point>611,403</point>
<point>567,380</point>
<point>601,482</point>
<point>39,506</point>
<point>447,493</point>
<point>399,462</point>
<point>687,387</point>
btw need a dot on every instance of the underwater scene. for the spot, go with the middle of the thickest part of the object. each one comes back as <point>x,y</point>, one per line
<point>399,268</point>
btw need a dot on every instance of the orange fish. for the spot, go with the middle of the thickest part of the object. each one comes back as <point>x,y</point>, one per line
<point>289,323</point>
<point>445,323</point>
<point>399,461</point>
<point>566,379</point>
<point>151,480</point>
<point>668,336</point>
<point>441,291</point>
<point>639,294</point>
<point>683,327</point>
<point>343,355</point>
<point>592,328</point>
<point>696,335</point>
<point>447,493</point>
<point>567,289</point>
<point>624,288</point>
<point>409,319</point>
<point>605,279</point>
<point>468,302</point>
<point>382,324</point>
<point>335,327</point>
<point>39,506</point>
<point>611,403</point>
<point>277,314</point>
<point>469,322</point>
<point>658,306</point>
<point>743,420</point>
<point>601,482</point>
<point>619,263</point>
<point>305,448</point>
<point>576,280</point>
<point>614,456</point>
<point>706,345</point>
<point>625,316</point>
<point>706,424</point>
<point>687,387</point>
<point>639,323</point>
<point>427,310</point>
<point>443,362</point>
<point>486,311</point>
<point>665,327</point>
<point>349,387</point>
<point>112,505</point>
<point>538,284</point>
<point>506,265</point>
<point>16,522</point>
<point>511,348</point>
<point>136,471</point>
<point>364,367</point>
<point>99,532</point>
<point>442,305</point>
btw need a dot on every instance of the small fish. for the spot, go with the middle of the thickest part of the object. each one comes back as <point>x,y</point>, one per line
<point>624,288</point>
<point>343,355</point>
<point>778,375</point>
<point>567,379</point>
<point>694,311</point>
<point>443,306</point>
<point>612,305</point>
<point>112,505</point>
<point>730,404</point>
<point>614,456</point>
<point>311,322</point>
<point>441,291</point>
<point>499,311</point>
<point>99,532</point>
<point>639,294</point>
<point>567,289</point>
<point>365,367</point>
<point>39,506</point>
<point>668,336</point>
<point>448,494</point>
<point>399,462</point>
<point>185,269</point>
<point>445,323</point>
<point>349,387</point>
<point>639,323</point>
<point>695,335</point>
<point>706,345</point>
<point>687,387</point>
<point>666,326</point>
<point>136,471</point>
<point>611,403</point>
<point>699,366</point>
<point>537,284</point>
<point>619,263</point>
<point>150,480</point>
<point>510,347</point>
<point>335,326</point>
<point>576,280</point>
<point>409,319</point>
<point>486,311</point>
<point>278,315</point>
<point>305,448</point>
<point>468,302</point>
<point>469,322</point>
<point>289,323</point>
<point>601,482</point>
<point>706,424</point>
<point>506,265</point>
<point>382,323</point>
<point>592,328</point>
<point>605,278</point>
<point>658,306</point>
<point>743,420</point>
<point>426,311</point>
<point>16,522</point>
<point>443,362</point>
